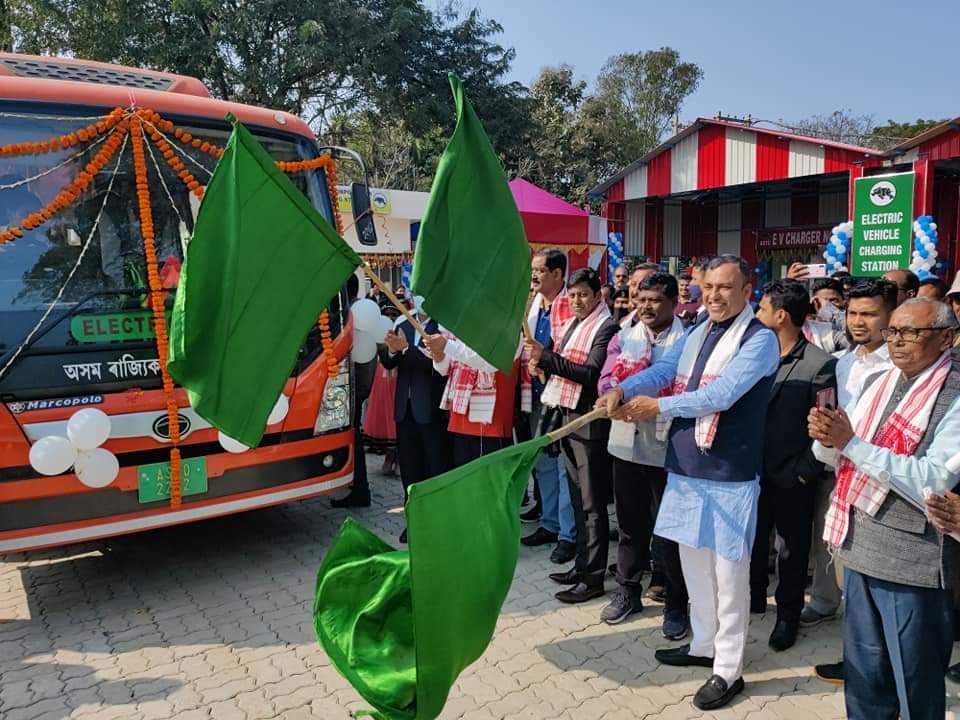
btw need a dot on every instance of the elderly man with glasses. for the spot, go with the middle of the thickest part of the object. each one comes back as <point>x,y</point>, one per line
<point>891,451</point>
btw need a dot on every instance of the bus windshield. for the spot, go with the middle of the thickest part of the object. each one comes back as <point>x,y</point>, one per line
<point>89,258</point>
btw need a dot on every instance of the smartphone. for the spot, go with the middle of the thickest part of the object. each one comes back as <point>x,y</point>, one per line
<point>816,270</point>
<point>826,399</point>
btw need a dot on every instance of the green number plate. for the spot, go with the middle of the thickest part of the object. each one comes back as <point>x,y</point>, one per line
<point>153,481</point>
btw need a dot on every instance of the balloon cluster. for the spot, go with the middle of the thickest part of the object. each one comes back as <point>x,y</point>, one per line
<point>614,251</point>
<point>87,430</point>
<point>924,247</point>
<point>369,329</point>
<point>838,249</point>
<point>279,412</point>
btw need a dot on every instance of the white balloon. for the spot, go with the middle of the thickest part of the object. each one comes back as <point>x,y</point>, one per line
<point>366,315</point>
<point>280,410</point>
<point>364,347</point>
<point>97,468</point>
<point>933,226</point>
<point>386,325</point>
<point>231,445</point>
<point>52,455</point>
<point>88,428</point>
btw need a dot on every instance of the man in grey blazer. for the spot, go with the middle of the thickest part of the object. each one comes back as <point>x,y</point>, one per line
<point>790,473</point>
<point>899,570</point>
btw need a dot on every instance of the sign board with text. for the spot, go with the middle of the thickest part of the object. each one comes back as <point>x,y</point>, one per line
<point>882,224</point>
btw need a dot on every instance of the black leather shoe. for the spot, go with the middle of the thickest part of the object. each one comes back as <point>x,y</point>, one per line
<point>351,500</point>
<point>784,635</point>
<point>681,657</point>
<point>581,592</point>
<point>539,537</point>
<point>715,693</point>
<point>570,577</point>
<point>563,553</point>
<point>403,537</point>
<point>531,516</point>
<point>953,673</point>
<point>830,672</point>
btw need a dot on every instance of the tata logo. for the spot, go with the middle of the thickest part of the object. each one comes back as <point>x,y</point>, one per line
<point>883,193</point>
<point>161,426</point>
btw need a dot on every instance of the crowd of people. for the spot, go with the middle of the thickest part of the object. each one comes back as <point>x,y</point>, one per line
<point>817,419</point>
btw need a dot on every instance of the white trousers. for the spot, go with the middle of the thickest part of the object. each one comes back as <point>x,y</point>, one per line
<point>719,592</point>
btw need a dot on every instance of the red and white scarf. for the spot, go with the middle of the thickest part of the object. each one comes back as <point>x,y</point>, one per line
<point>705,429</point>
<point>901,433</point>
<point>469,391</point>
<point>636,354</point>
<point>560,318</point>
<point>560,392</point>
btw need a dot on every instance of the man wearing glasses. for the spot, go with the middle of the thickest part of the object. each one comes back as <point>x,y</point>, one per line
<point>899,570</point>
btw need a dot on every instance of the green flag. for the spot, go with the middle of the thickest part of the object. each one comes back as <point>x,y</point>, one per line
<point>472,263</point>
<point>261,266</point>
<point>401,626</point>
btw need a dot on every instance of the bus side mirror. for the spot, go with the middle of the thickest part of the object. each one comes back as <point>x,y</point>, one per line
<point>362,215</point>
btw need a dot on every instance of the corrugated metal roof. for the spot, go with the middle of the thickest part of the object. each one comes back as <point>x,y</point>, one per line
<point>602,187</point>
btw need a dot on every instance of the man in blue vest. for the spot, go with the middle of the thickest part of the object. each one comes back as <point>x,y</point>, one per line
<point>717,380</point>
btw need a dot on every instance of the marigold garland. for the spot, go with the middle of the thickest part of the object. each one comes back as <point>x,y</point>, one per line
<point>65,141</point>
<point>326,338</point>
<point>71,193</point>
<point>156,302</point>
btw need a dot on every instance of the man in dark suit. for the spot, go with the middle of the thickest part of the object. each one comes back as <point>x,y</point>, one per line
<point>790,474</point>
<point>573,366</point>
<point>423,448</point>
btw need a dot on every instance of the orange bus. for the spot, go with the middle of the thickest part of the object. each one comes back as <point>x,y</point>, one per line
<point>76,330</point>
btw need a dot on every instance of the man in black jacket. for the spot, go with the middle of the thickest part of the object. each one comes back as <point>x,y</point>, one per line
<point>573,365</point>
<point>790,470</point>
<point>423,447</point>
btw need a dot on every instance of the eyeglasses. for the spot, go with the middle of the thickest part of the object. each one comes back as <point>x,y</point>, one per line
<point>908,334</point>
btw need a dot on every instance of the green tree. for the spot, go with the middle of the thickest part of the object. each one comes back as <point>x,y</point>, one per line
<point>894,133</point>
<point>642,92</point>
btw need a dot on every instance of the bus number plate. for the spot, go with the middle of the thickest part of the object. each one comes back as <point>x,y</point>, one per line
<point>153,481</point>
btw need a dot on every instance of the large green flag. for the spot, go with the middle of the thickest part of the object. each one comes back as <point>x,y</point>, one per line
<point>401,626</point>
<point>472,263</point>
<point>261,266</point>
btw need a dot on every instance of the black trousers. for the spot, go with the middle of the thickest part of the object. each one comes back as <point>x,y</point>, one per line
<point>637,491</point>
<point>790,510</point>
<point>423,450</point>
<point>588,473</point>
<point>467,448</point>
<point>361,488</point>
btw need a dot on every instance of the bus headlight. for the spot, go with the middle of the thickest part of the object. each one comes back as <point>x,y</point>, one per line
<point>335,407</point>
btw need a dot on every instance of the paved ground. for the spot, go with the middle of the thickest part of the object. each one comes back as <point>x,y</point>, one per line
<point>212,620</point>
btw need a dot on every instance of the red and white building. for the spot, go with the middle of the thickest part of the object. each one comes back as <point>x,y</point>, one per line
<point>725,187</point>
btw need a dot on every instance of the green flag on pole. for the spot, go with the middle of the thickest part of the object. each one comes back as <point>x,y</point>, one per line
<point>262,265</point>
<point>472,263</point>
<point>401,626</point>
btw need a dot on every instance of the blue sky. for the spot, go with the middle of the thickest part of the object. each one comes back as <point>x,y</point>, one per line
<point>776,59</point>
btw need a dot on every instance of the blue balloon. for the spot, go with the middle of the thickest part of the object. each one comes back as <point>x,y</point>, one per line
<point>923,252</point>
<point>842,236</point>
<point>842,252</point>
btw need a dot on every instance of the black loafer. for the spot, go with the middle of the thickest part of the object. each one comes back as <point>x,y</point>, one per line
<point>570,577</point>
<point>681,657</point>
<point>579,593</point>
<point>350,500</point>
<point>830,672</point>
<point>539,537</point>
<point>715,693</point>
<point>784,636</point>
<point>563,553</point>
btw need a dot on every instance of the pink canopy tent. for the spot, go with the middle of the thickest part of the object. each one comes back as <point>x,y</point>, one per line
<point>552,222</point>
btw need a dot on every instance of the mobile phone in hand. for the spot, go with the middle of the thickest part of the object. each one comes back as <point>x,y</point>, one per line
<point>826,399</point>
<point>816,270</point>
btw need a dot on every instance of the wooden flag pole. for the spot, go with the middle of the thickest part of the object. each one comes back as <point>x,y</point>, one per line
<point>595,414</point>
<point>375,279</point>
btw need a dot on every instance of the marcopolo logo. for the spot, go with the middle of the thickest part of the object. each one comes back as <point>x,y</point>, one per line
<point>26,406</point>
<point>161,426</point>
<point>883,193</point>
